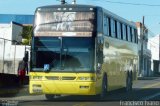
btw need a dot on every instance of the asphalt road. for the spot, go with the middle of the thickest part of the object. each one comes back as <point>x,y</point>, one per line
<point>146,92</point>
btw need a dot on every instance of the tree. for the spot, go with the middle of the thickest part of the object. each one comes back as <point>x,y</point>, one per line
<point>27,34</point>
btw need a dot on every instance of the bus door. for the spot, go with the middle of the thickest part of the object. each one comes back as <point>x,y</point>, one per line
<point>99,59</point>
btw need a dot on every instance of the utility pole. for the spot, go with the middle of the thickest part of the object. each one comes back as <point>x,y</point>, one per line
<point>142,40</point>
<point>159,54</point>
<point>74,2</point>
<point>62,1</point>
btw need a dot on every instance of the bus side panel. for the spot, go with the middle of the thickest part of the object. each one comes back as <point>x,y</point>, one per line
<point>119,57</point>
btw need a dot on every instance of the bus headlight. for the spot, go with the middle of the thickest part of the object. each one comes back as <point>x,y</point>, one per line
<point>36,88</point>
<point>86,78</point>
<point>37,77</point>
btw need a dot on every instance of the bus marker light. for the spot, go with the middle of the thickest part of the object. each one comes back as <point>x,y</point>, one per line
<point>37,88</point>
<point>37,77</point>
<point>84,87</point>
<point>87,78</point>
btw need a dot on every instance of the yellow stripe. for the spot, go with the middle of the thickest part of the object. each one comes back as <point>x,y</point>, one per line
<point>152,85</point>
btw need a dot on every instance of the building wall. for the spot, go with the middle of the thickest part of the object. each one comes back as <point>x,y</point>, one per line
<point>16,32</point>
<point>153,45</point>
<point>146,71</point>
<point>10,53</point>
<point>5,31</point>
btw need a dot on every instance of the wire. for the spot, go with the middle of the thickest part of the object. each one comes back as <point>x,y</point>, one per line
<point>137,4</point>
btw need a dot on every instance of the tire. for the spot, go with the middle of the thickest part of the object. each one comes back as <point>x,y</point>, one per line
<point>104,88</point>
<point>50,96</point>
<point>129,83</point>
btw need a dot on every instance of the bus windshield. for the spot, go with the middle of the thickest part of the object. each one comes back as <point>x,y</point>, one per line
<point>63,53</point>
<point>51,21</point>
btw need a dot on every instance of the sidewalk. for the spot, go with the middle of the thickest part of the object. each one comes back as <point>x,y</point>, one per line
<point>147,78</point>
<point>14,91</point>
<point>147,83</point>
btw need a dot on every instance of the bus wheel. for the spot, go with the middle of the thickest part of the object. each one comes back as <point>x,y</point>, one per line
<point>49,96</point>
<point>104,87</point>
<point>129,83</point>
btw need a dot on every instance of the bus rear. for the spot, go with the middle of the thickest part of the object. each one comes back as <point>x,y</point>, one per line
<point>63,51</point>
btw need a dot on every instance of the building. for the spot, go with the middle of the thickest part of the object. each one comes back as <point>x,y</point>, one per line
<point>154,46</point>
<point>11,27</point>
<point>22,19</point>
<point>11,31</point>
<point>145,56</point>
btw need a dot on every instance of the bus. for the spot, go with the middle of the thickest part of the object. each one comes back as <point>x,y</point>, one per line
<point>81,50</point>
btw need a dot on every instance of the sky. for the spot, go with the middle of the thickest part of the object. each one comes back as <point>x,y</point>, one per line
<point>127,11</point>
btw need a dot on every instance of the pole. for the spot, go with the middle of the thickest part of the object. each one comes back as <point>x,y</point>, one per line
<point>15,59</point>
<point>3,55</point>
<point>74,2</point>
<point>62,1</point>
<point>159,53</point>
<point>142,40</point>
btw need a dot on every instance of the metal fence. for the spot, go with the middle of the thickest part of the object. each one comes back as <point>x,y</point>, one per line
<point>11,53</point>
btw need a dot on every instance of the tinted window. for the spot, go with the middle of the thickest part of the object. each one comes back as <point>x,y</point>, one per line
<point>124,31</point>
<point>113,29</point>
<point>119,30</point>
<point>129,33</point>
<point>106,26</point>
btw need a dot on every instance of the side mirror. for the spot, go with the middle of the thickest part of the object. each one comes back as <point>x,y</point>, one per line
<point>99,66</point>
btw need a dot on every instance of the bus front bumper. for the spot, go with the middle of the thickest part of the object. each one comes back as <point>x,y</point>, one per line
<point>63,87</point>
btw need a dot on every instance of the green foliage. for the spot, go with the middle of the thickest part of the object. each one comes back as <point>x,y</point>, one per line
<point>27,34</point>
<point>26,42</point>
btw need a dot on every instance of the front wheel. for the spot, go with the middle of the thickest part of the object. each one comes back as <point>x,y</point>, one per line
<point>50,96</point>
<point>129,83</point>
<point>104,88</point>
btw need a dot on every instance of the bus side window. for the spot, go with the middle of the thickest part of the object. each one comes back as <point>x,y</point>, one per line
<point>129,33</point>
<point>119,31</point>
<point>121,28</point>
<point>115,22</point>
<point>106,26</point>
<point>113,28</point>
<point>133,36</point>
<point>136,36</point>
<point>99,22</point>
<point>124,31</point>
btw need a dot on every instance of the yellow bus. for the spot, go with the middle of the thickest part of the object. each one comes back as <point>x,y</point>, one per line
<point>81,50</point>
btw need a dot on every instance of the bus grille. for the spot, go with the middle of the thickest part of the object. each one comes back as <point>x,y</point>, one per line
<point>52,77</point>
<point>60,78</point>
<point>68,78</point>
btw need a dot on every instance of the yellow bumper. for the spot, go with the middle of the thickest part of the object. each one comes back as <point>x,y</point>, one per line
<point>62,87</point>
<point>72,84</point>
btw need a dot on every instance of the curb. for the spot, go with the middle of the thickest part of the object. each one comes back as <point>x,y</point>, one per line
<point>147,78</point>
